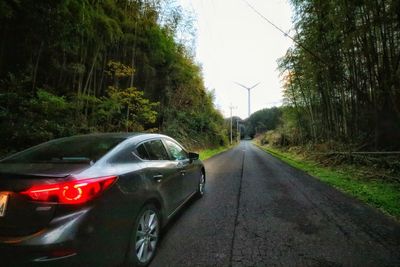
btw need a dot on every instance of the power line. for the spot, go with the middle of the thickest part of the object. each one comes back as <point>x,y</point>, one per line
<point>231,107</point>
<point>284,33</point>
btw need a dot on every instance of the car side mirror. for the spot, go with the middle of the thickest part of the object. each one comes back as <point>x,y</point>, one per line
<point>193,156</point>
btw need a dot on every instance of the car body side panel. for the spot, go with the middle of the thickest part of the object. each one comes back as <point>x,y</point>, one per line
<point>188,177</point>
<point>165,177</point>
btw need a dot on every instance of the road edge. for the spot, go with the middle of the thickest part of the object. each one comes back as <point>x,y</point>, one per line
<point>363,195</point>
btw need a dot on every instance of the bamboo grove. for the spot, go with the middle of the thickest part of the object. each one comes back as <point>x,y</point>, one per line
<point>342,76</point>
<point>78,66</point>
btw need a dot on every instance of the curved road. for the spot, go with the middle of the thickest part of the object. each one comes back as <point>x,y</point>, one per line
<point>258,211</point>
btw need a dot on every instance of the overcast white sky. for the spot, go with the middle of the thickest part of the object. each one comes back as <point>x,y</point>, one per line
<point>234,44</point>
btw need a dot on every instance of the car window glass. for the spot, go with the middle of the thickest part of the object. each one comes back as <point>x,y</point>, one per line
<point>124,155</point>
<point>67,150</point>
<point>142,152</point>
<point>156,150</point>
<point>176,151</point>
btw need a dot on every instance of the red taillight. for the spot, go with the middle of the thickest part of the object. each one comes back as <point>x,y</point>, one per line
<point>73,192</point>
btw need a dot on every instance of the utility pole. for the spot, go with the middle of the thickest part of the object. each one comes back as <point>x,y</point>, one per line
<point>231,107</point>
<point>248,94</point>
<point>237,131</point>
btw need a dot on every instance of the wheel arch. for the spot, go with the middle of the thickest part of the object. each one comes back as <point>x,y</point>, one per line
<point>157,203</point>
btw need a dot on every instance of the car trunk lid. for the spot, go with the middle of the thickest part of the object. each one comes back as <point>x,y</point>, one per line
<point>19,215</point>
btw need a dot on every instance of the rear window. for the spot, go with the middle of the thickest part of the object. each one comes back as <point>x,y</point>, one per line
<point>142,152</point>
<point>125,155</point>
<point>71,149</point>
<point>155,151</point>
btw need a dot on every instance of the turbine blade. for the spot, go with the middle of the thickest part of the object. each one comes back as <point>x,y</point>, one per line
<point>254,85</point>
<point>241,85</point>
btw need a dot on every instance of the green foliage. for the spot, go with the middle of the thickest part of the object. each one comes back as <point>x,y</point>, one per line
<point>208,153</point>
<point>118,70</point>
<point>138,109</point>
<point>69,67</point>
<point>262,120</point>
<point>342,75</point>
<point>5,10</point>
<point>189,114</point>
<point>27,118</point>
<point>49,103</point>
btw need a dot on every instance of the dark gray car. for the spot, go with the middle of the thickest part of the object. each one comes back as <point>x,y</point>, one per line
<point>93,200</point>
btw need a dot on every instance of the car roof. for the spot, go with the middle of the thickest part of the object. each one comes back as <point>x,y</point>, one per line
<point>121,137</point>
<point>117,135</point>
<point>144,136</point>
<point>138,136</point>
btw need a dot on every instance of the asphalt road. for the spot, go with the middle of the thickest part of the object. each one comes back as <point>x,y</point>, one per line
<point>258,211</point>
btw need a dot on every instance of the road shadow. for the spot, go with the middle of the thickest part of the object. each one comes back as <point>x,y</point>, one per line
<point>177,216</point>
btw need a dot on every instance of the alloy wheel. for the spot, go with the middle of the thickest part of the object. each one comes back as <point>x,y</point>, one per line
<point>202,185</point>
<point>147,233</point>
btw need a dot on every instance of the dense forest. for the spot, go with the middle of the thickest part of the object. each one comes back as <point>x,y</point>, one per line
<point>78,66</point>
<point>262,121</point>
<point>342,76</point>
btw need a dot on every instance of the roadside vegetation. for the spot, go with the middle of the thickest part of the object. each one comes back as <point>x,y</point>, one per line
<point>341,78</point>
<point>73,67</point>
<point>208,153</point>
<point>262,121</point>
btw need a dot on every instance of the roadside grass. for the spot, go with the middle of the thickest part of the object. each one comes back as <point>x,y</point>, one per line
<point>208,153</point>
<point>384,195</point>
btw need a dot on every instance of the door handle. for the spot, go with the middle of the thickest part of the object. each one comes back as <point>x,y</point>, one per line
<point>158,177</point>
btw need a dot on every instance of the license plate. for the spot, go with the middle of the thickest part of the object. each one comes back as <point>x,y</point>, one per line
<point>3,204</point>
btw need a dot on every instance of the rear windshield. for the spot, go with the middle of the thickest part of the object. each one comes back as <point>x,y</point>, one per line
<point>77,149</point>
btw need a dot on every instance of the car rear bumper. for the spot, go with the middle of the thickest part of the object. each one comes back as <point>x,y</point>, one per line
<point>37,256</point>
<point>68,240</point>
<point>56,243</point>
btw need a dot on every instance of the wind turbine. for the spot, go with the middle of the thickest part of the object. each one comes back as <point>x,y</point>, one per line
<point>248,91</point>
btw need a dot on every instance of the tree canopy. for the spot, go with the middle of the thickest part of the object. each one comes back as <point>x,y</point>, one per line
<point>263,120</point>
<point>69,67</point>
<point>342,77</point>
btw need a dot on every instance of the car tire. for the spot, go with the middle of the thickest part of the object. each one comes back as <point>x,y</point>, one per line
<point>201,186</point>
<point>144,237</point>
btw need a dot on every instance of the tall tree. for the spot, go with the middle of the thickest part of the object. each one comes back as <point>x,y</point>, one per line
<point>78,66</point>
<point>347,89</point>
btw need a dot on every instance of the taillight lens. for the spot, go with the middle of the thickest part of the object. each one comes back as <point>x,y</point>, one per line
<point>73,192</point>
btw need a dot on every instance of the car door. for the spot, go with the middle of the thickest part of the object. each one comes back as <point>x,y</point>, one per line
<point>189,176</point>
<point>162,172</point>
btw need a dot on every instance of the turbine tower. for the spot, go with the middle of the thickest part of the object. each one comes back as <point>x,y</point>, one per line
<point>248,92</point>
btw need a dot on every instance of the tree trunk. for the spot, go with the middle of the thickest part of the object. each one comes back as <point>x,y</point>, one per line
<point>37,66</point>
